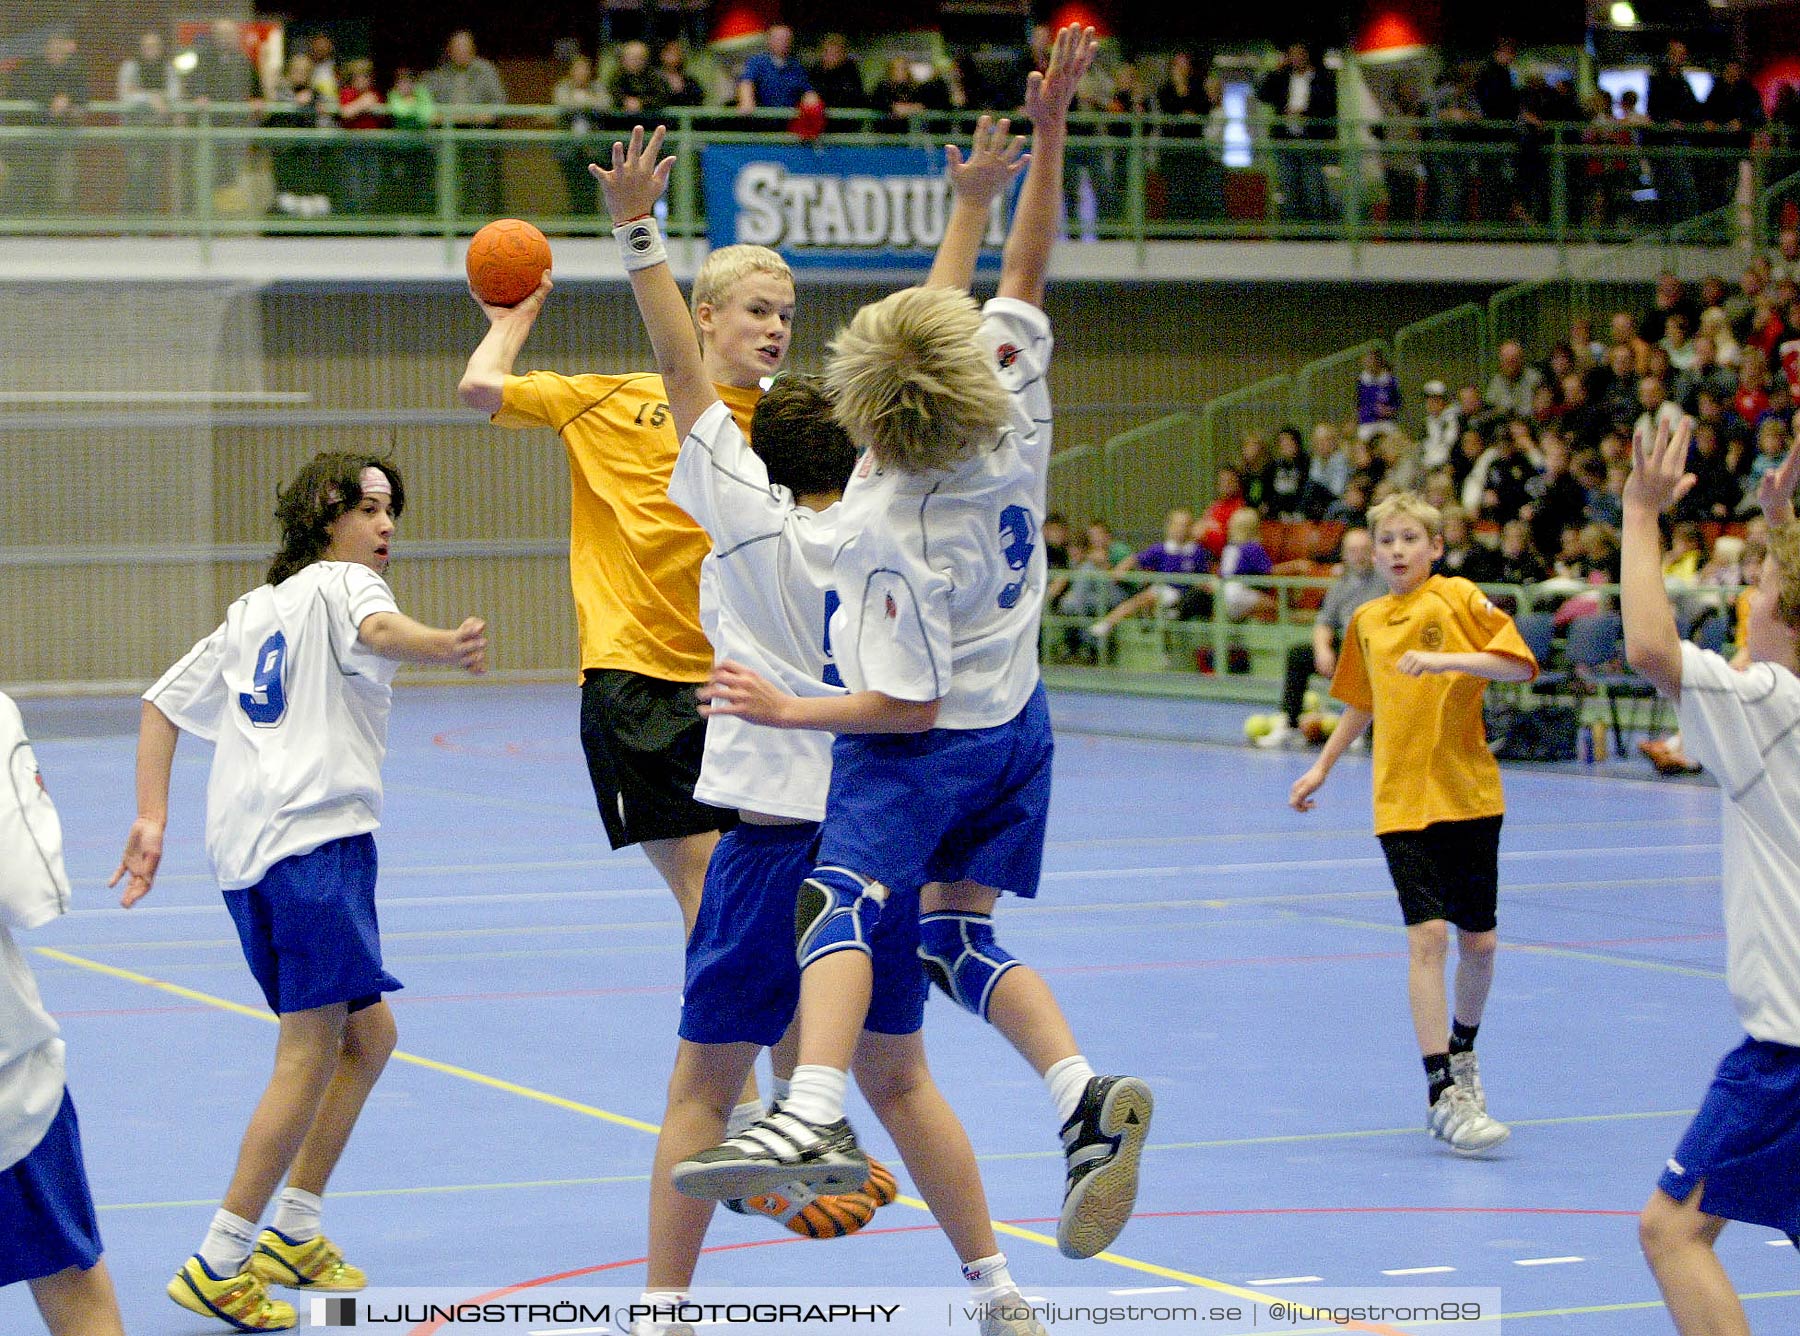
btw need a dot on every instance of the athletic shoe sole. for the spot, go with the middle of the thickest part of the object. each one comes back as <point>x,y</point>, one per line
<point>1100,1204</point>
<point>751,1178</point>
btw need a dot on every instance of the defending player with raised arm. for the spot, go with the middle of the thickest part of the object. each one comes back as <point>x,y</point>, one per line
<point>1740,1158</point>
<point>294,691</point>
<point>941,578</point>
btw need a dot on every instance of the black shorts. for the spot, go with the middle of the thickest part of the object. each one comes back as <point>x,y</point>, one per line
<point>643,738</point>
<point>1450,870</point>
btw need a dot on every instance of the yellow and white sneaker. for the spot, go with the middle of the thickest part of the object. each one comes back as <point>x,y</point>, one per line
<point>241,1300</point>
<point>310,1264</point>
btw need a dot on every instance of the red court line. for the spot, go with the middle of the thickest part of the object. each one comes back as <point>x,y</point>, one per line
<point>428,1328</point>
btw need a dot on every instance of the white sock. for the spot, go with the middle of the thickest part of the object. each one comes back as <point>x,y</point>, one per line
<point>742,1116</point>
<point>1067,1080</point>
<point>297,1214</point>
<point>229,1240</point>
<point>989,1278</point>
<point>657,1326</point>
<point>778,1088</point>
<point>816,1094</point>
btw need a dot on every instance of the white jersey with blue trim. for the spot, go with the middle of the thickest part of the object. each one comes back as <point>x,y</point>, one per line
<point>297,709</point>
<point>765,602</point>
<point>942,574</point>
<point>1745,729</point>
<point>31,1058</point>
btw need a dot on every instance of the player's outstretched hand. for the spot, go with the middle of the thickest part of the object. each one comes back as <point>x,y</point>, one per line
<point>526,310</point>
<point>469,646</point>
<point>638,175</point>
<point>1300,795</point>
<point>734,689</point>
<point>994,160</point>
<point>143,852</point>
<point>1775,492</point>
<point>1048,95</point>
<point>1659,475</point>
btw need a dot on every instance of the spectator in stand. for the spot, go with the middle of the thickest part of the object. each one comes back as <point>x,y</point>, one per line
<point>361,165</point>
<point>1671,299</point>
<point>1589,351</point>
<point>1555,500</point>
<point>775,78</point>
<point>1178,554</point>
<point>43,175</point>
<point>1462,554</point>
<point>634,88</point>
<point>1303,99</point>
<point>1704,375</point>
<point>1741,304</point>
<point>580,100</point>
<point>1784,260</point>
<point>1211,528</point>
<point>1674,114</point>
<point>224,77</point>
<point>1377,396</point>
<point>1356,584</point>
<point>1129,95</point>
<point>1580,419</point>
<point>1677,342</point>
<point>1287,477</point>
<point>1715,494</point>
<point>322,52</point>
<point>1622,329</point>
<point>411,111</point>
<point>1397,463</point>
<point>1519,562</point>
<point>1613,388</point>
<point>1353,505</point>
<point>1510,389</point>
<point>1497,486</point>
<point>1452,108</point>
<point>1497,92</point>
<point>1183,95</point>
<point>1608,174</point>
<point>1443,424</point>
<point>299,164</point>
<point>1734,109</point>
<point>146,84</point>
<point>676,87</point>
<point>1256,469</point>
<point>1092,590</point>
<point>465,80</point>
<point>1327,470</point>
<point>1716,325</point>
<point>1475,412</point>
<point>1440,488</point>
<point>1244,555</point>
<point>836,79</point>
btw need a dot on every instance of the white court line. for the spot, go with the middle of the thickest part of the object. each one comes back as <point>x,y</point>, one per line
<point>1546,1261</point>
<point>1780,1243</point>
<point>1288,1280</point>
<point>1420,1271</point>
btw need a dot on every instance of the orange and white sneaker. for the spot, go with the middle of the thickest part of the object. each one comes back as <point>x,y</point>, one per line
<point>816,1216</point>
<point>242,1300</point>
<point>303,1264</point>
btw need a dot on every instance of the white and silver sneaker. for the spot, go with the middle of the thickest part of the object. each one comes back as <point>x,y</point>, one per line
<point>1463,1125</point>
<point>1466,1072</point>
<point>777,1149</point>
<point>1010,1315</point>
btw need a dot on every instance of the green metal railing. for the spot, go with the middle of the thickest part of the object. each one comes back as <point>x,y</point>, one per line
<point>1135,178</point>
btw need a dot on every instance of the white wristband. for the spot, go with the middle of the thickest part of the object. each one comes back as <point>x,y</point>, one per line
<point>640,244</point>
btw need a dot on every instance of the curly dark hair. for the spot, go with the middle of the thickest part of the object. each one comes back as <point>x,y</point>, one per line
<point>328,487</point>
<point>801,445</point>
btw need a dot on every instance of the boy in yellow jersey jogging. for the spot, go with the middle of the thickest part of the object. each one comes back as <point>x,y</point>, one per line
<point>1418,660</point>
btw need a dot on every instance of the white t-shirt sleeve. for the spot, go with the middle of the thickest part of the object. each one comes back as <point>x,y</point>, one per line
<point>1017,338</point>
<point>192,693</point>
<point>900,633</point>
<point>722,483</point>
<point>1729,720</point>
<point>357,594</point>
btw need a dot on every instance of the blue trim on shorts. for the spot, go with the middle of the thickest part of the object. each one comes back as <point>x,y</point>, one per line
<point>1744,1143</point>
<point>309,929</point>
<point>47,1219</point>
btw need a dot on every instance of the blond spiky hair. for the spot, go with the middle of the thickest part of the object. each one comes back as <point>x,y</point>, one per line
<point>1412,506</point>
<point>1784,546</point>
<point>911,384</point>
<point>728,266</point>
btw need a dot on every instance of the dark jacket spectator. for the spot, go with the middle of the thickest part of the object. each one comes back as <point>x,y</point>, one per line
<point>835,77</point>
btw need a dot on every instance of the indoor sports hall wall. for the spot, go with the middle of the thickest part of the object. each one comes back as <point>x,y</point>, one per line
<point>145,428</point>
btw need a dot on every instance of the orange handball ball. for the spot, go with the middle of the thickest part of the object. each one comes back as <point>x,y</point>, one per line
<point>506,261</point>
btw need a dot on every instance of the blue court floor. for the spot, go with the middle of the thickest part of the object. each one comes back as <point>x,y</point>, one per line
<point>1245,960</point>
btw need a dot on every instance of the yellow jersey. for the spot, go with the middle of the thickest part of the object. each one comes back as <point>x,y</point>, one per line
<point>1432,761</point>
<point>634,555</point>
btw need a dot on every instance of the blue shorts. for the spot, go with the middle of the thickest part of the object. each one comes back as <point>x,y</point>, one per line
<point>1745,1141</point>
<point>46,1211</point>
<point>945,805</point>
<point>309,930</point>
<point>743,977</point>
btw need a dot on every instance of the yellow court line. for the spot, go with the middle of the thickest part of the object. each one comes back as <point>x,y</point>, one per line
<point>400,1055</point>
<point>575,1106</point>
<point>1631,1307</point>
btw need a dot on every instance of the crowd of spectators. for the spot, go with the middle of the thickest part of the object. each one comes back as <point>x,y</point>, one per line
<point>1528,468</point>
<point>1471,147</point>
